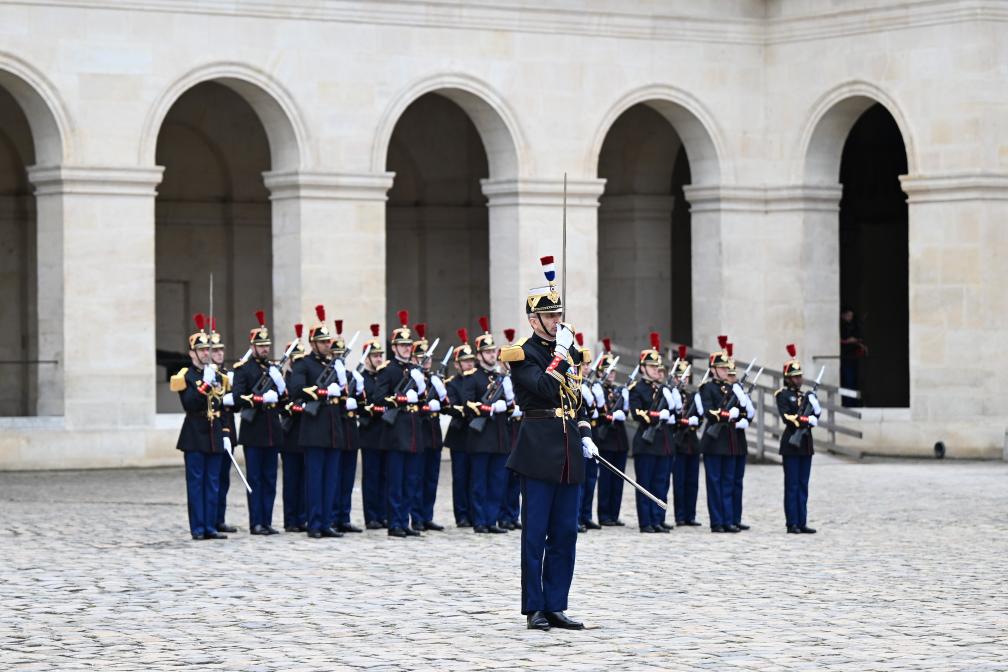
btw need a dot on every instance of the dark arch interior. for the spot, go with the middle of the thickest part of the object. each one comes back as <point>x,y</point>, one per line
<point>437,222</point>
<point>212,215</point>
<point>644,231</point>
<point>874,258</point>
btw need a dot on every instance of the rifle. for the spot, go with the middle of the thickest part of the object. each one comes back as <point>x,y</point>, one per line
<point>592,375</point>
<point>714,429</point>
<point>328,376</point>
<point>692,405</point>
<point>443,366</point>
<point>494,391</point>
<point>615,393</point>
<point>264,383</point>
<point>800,433</point>
<point>390,414</point>
<point>657,406</point>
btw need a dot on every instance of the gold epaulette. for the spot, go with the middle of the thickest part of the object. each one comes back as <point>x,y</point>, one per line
<point>448,379</point>
<point>512,353</point>
<point>469,372</point>
<point>178,381</point>
<point>632,385</point>
<point>240,362</point>
<point>778,391</point>
<point>381,366</point>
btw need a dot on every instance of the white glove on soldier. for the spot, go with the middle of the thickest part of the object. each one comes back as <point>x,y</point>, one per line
<point>508,389</point>
<point>359,379</point>
<point>411,397</point>
<point>334,390</point>
<point>677,398</point>
<point>228,399</point>
<point>434,405</point>
<point>498,406</point>
<point>626,399</point>
<point>750,410</point>
<point>664,414</point>
<point>814,403</point>
<point>733,413</point>
<point>599,395</point>
<point>739,394</point>
<point>813,421</point>
<point>564,341</point>
<point>618,416</point>
<point>227,446</point>
<point>698,404</point>
<point>270,397</point>
<point>278,379</point>
<point>742,424</point>
<point>340,369</point>
<point>587,396</point>
<point>351,404</point>
<point>594,414</point>
<point>669,399</point>
<point>209,374</point>
<point>421,383</point>
<point>671,420</point>
<point>694,421</point>
<point>230,377</point>
<point>516,413</point>
<point>440,388</point>
<point>589,448</point>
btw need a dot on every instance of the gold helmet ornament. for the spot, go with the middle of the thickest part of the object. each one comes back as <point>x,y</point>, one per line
<point>721,358</point>
<point>339,343</point>
<point>545,299</point>
<point>199,339</point>
<point>683,364</point>
<point>319,332</point>
<point>463,350</point>
<point>374,342</point>
<point>216,342</point>
<point>792,367</point>
<point>485,340</point>
<point>402,335</point>
<point>652,356</point>
<point>260,335</point>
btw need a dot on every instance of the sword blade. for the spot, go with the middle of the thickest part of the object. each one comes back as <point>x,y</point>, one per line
<point>640,488</point>
<point>238,469</point>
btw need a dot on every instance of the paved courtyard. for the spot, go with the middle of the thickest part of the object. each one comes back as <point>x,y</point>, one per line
<point>908,572</point>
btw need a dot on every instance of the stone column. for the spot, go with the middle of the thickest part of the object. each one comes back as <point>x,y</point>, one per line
<point>328,248</point>
<point>526,222</point>
<point>96,294</point>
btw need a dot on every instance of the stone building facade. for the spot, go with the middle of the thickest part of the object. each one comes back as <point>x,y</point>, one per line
<point>740,167</point>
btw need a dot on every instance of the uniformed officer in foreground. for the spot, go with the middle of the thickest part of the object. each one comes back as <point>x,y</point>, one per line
<point>553,438</point>
<point>800,412</point>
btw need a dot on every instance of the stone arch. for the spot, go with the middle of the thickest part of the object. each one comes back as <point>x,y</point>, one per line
<point>289,141</point>
<point>491,115</point>
<point>692,121</point>
<point>51,125</point>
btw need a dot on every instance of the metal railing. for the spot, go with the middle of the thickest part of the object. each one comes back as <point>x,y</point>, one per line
<point>837,422</point>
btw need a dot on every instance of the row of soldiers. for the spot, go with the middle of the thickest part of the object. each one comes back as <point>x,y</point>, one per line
<point>316,414</point>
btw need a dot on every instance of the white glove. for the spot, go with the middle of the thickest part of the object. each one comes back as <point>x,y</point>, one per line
<point>351,404</point>
<point>421,383</point>
<point>694,421</point>
<point>739,394</point>
<point>442,391</point>
<point>813,421</point>
<point>498,406</point>
<point>359,379</point>
<point>340,369</point>
<point>564,341</point>
<point>750,410</point>
<point>278,379</point>
<point>434,405</point>
<point>619,416</point>
<point>508,389</point>
<point>227,446</point>
<point>270,397</point>
<point>411,397</point>
<point>230,377</point>
<point>589,448</point>
<point>669,399</point>
<point>671,420</point>
<point>733,413</point>
<point>664,414</point>
<point>594,414</point>
<point>742,424</point>
<point>334,390</point>
<point>698,404</point>
<point>677,398</point>
<point>587,396</point>
<point>228,399</point>
<point>626,399</point>
<point>516,413</point>
<point>599,395</point>
<point>209,374</point>
<point>814,403</point>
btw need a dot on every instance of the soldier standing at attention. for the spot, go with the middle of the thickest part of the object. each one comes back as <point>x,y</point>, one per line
<point>203,434</point>
<point>348,412</point>
<point>372,452</point>
<point>611,438</point>
<point>585,521</point>
<point>686,467</point>
<point>553,439</point>
<point>458,430</point>
<point>748,412</point>
<point>228,418</point>
<point>511,505</point>
<point>429,434</point>
<point>294,498</point>
<point>713,403</point>
<point>800,413</point>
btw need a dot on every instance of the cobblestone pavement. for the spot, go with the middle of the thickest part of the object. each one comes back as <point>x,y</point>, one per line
<point>908,572</point>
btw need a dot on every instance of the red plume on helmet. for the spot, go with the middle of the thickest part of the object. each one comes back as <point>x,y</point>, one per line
<point>792,350</point>
<point>421,329</point>
<point>509,334</point>
<point>200,320</point>
<point>320,312</point>
<point>682,351</point>
<point>339,327</point>
<point>404,317</point>
<point>484,324</point>
<point>607,344</point>
<point>730,348</point>
<point>374,330</point>
<point>298,329</point>
<point>579,337</point>
<point>722,341</point>
<point>463,335</point>
<point>261,317</point>
<point>655,340</point>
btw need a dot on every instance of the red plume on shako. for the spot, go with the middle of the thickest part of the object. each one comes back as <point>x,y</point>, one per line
<point>319,332</point>
<point>792,367</point>
<point>485,340</point>
<point>463,350</point>
<point>402,335</point>
<point>509,334</point>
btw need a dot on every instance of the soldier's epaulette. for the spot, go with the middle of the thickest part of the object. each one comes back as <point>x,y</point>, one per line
<point>778,391</point>
<point>632,385</point>
<point>513,353</point>
<point>296,356</point>
<point>240,362</point>
<point>448,379</point>
<point>469,372</point>
<point>381,366</point>
<point>178,381</point>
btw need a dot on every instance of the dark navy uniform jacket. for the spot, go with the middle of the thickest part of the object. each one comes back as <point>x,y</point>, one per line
<point>324,429</point>
<point>371,424</point>
<point>496,435</point>
<point>264,430</point>
<point>791,406</point>
<point>548,447</point>
<point>393,382</point>
<point>715,394</point>
<point>614,437</point>
<point>458,394</point>
<point>351,429</point>
<point>643,395</point>
<point>200,433</point>
<point>430,426</point>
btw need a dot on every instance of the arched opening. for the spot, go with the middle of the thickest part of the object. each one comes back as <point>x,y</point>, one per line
<point>212,215</point>
<point>437,221</point>
<point>644,267</point>
<point>874,260</point>
<point>19,357</point>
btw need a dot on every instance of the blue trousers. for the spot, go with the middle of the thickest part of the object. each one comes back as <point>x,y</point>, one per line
<point>405,488</point>
<point>321,481</point>
<point>373,485</point>
<point>739,474</point>
<point>344,487</point>
<point>487,482</point>
<point>720,475</point>
<point>665,481</point>
<point>650,471</point>
<point>510,510</point>
<point>202,472</point>
<point>261,464</point>
<point>429,483</point>
<point>797,469</point>
<point>549,535</point>
<point>588,490</point>
<point>460,486</point>
<point>225,486</point>
<point>610,486</point>
<point>294,501</point>
<point>685,485</point>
